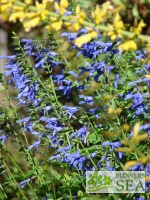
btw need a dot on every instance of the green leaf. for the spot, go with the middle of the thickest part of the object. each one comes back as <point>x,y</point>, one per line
<point>92,148</point>
<point>118,2</point>
<point>94,198</point>
<point>92,137</point>
<point>131,75</point>
<point>80,193</point>
<point>135,11</point>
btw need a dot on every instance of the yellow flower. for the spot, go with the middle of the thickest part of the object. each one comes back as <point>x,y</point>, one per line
<point>62,7</point>
<point>147,76</point>
<point>79,19</point>
<point>6,8</point>
<point>130,164</point>
<point>32,23</point>
<point>99,13</point>
<point>126,127</point>
<point>28,2</point>
<point>129,45</point>
<point>116,27</point>
<point>85,38</point>
<point>34,18</point>
<point>57,23</point>
<point>17,15</point>
<point>138,29</point>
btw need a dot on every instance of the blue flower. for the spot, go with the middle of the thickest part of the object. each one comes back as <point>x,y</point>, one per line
<point>57,157</point>
<point>36,144</point>
<point>47,108</point>
<point>109,167</point>
<point>66,88</point>
<point>87,99</point>
<point>147,169</point>
<point>112,144</point>
<point>117,80</point>
<point>10,58</point>
<point>52,123</point>
<point>28,46</point>
<point>23,183</point>
<point>138,167</point>
<point>66,149</point>
<point>70,110</point>
<point>55,141</point>
<point>75,160</point>
<point>4,137</point>
<point>25,120</point>
<point>58,78</point>
<point>140,198</point>
<point>81,133</point>
<point>93,154</point>
<point>70,36</point>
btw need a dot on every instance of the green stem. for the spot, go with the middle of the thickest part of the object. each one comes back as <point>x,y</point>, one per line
<point>3,191</point>
<point>11,175</point>
<point>17,167</point>
<point>24,135</point>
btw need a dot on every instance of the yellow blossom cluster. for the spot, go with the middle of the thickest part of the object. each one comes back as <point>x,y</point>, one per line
<point>132,143</point>
<point>57,23</point>
<point>128,45</point>
<point>100,13</point>
<point>116,27</point>
<point>138,27</point>
<point>104,18</point>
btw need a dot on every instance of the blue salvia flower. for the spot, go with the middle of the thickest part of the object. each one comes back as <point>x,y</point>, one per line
<point>87,99</point>
<point>10,58</point>
<point>138,104</point>
<point>117,80</point>
<point>46,109</point>
<point>52,123</point>
<point>28,46</point>
<point>75,160</point>
<point>25,121</point>
<point>70,110</point>
<point>58,79</point>
<point>112,144</point>
<point>54,140</point>
<point>140,198</point>
<point>139,55</point>
<point>147,169</point>
<point>28,92</point>
<point>3,138</point>
<point>138,167</point>
<point>81,133</point>
<point>62,149</point>
<point>42,56</point>
<point>35,144</point>
<point>147,173</point>
<point>109,167</point>
<point>93,154</point>
<point>70,36</point>
<point>65,87</point>
<point>57,157</point>
<point>24,183</point>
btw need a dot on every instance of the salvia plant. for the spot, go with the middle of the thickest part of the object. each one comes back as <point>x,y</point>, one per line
<point>76,107</point>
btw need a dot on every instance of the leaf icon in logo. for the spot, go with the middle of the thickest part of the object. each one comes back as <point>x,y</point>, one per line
<point>107,180</point>
<point>95,179</point>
